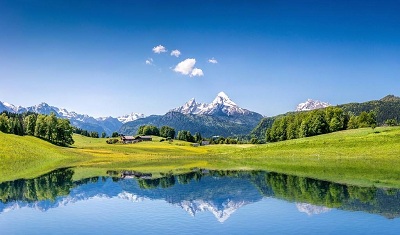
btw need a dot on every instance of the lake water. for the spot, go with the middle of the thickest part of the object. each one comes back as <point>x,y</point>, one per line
<point>200,202</point>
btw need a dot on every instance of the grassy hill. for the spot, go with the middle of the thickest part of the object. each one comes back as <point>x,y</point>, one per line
<point>361,157</point>
<point>27,157</point>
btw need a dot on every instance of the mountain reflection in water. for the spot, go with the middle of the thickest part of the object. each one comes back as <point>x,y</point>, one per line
<point>219,192</point>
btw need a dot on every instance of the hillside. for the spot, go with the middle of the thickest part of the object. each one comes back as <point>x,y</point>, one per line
<point>207,125</point>
<point>27,156</point>
<point>385,108</point>
<point>361,157</point>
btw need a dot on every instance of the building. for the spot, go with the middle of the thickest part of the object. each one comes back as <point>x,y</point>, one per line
<point>130,139</point>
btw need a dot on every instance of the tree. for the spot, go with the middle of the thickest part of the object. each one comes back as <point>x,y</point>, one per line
<point>353,122</point>
<point>4,124</point>
<point>140,130</point>
<point>30,123</point>
<point>115,134</point>
<point>363,119</point>
<point>318,123</point>
<point>185,136</point>
<point>391,122</point>
<point>94,134</point>
<point>103,135</point>
<point>197,137</point>
<point>40,127</point>
<point>51,122</point>
<point>372,119</point>
<point>167,131</point>
<point>151,130</point>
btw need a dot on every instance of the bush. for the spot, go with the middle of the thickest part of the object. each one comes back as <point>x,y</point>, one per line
<point>112,141</point>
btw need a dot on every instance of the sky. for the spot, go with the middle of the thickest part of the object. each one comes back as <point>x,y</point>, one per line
<point>111,58</point>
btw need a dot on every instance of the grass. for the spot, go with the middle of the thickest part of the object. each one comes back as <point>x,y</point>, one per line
<point>362,157</point>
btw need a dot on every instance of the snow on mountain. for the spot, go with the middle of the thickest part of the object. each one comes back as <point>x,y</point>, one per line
<point>191,107</point>
<point>221,214</point>
<point>311,104</point>
<point>310,209</point>
<point>130,117</point>
<point>221,105</point>
<point>83,121</point>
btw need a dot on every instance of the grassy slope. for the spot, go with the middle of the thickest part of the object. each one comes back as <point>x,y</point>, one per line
<point>27,157</point>
<point>360,157</point>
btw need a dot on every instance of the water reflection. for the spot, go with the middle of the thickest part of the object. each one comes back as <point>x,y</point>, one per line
<point>219,192</point>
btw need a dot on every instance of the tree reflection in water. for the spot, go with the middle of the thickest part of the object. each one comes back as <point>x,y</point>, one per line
<point>216,186</point>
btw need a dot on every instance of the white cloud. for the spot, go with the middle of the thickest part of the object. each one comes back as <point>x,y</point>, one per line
<point>176,53</point>
<point>185,67</point>
<point>159,49</point>
<point>213,61</point>
<point>196,72</point>
<point>149,61</point>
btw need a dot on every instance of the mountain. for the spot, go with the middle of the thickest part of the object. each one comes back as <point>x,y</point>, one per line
<point>83,121</point>
<point>311,105</point>
<point>386,108</point>
<point>220,195</point>
<point>191,107</point>
<point>222,117</point>
<point>221,106</point>
<point>130,117</point>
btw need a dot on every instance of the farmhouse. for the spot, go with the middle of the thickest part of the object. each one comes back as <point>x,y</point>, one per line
<point>130,139</point>
<point>204,142</point>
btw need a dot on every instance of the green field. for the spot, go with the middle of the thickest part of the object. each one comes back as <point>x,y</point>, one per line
<point>362,157</point>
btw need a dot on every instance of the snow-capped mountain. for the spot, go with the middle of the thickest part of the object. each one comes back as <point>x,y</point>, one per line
<point>311,104</point>
<point>310,209</point>
<point>221,117</point>
<point>221,105</point>
<point>83,121</point>
<point>221,213</point>
<point>130,117</point>
<point>191,107</point>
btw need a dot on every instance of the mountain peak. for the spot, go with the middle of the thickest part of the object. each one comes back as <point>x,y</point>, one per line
<point>390,98</point>
<point>311,104</point>
<point>222,105</point>
<point>130,117</point>
<point>223,99</point>
<point>223,95</point>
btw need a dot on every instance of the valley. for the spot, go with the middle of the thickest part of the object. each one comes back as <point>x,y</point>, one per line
<point>361,157</point>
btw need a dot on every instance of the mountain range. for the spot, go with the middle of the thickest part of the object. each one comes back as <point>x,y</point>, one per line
<point>83,121</point>
<point>221,117</point>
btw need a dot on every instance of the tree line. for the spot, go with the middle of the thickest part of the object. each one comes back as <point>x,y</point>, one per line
<point>48,127</point>
<point>92,134</point>
<point>317,122</point>
<point>164,131</point>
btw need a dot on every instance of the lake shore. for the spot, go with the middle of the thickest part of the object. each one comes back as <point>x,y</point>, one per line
<point>363,157</point>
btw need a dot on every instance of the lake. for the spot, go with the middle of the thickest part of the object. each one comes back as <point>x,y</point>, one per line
<point>199,202</point>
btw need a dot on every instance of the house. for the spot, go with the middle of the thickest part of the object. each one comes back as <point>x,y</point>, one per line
<point>130,139</point>
<point>145,138</point>
<point>126,139</point>
<point>204,142</point>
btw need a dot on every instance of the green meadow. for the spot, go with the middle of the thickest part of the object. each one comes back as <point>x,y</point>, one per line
<point>362,157</point>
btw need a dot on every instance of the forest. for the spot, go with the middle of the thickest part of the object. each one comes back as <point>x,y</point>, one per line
<point>317,122</point>
<point>48,127</point>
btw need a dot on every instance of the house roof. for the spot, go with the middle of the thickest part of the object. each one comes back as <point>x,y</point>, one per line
<point>146,137</point>
<point>128,137</point>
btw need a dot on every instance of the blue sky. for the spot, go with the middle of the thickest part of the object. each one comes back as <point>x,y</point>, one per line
<point>90,56</point>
